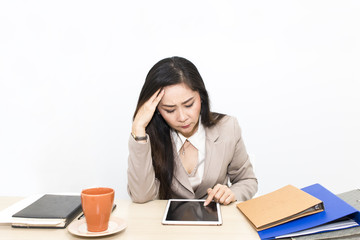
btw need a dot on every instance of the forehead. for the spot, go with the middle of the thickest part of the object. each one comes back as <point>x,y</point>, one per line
<point>177,94</point>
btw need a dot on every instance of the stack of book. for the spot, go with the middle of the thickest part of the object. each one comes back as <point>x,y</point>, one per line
<point>47,211</point>
<point>303,214</point>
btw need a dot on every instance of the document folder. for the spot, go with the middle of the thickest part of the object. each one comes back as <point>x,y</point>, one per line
<point>351,197</point>
<point>335,208</point>
<point>280,206</point>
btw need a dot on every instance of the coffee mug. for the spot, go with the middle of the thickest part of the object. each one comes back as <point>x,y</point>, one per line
<point>97,204</point>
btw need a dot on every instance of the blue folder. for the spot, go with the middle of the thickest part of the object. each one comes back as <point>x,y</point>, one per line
<point>335,208</point>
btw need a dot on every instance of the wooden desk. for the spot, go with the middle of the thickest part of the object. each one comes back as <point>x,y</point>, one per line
<point>144,222</point>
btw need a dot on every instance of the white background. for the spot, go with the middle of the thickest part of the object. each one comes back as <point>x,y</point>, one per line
<point>71,72</point>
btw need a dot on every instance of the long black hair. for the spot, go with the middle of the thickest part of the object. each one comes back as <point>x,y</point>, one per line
<point>171,71</point>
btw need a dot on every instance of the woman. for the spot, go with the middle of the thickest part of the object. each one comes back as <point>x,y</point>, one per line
<point>178,148</point>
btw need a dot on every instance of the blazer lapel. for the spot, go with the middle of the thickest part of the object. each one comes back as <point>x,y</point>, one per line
<point>213,161</point>
<point>180,173</point>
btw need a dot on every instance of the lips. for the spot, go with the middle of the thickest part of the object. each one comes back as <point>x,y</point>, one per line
<point>186,126</point>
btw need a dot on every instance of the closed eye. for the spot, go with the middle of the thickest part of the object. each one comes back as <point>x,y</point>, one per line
<point>190,105</point>
<point>169,111</point>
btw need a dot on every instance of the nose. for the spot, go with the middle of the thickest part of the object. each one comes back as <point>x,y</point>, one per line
<point>182,115</point>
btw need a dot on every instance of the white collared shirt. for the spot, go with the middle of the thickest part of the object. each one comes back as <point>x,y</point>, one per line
<point>198,141</point>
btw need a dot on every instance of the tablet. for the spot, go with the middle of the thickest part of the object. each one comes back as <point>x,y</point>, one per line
<point>191,212</point>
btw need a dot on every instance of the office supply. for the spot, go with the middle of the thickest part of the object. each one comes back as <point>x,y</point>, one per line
<point>50,211</point>
<point>345,234</point>
<point>332,226</point>
<point>335,208</point>
<point>351,197</point>
<point>280,206</point>
<point>191,212</point>
<point>143,222</point>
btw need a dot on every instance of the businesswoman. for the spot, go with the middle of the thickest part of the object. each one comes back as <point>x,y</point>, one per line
<point>178,148</point>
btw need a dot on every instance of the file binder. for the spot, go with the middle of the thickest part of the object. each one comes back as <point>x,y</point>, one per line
<point>351,197</point>
<point>280,206</point>
<point>335,208</point>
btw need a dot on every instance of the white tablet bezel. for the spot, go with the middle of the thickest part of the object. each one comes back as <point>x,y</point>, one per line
<point>166,222</point>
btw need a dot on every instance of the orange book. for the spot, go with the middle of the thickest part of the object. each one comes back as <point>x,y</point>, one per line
<point>280,206</point>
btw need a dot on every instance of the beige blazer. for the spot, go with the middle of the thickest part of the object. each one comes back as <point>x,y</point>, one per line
<point>226,161</point>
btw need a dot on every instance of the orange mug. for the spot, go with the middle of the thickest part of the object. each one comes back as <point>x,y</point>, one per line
<point>97,204</point>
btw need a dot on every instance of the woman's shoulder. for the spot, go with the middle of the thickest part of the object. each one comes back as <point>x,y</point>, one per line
<point>226,120</point>
<point>227,123</point>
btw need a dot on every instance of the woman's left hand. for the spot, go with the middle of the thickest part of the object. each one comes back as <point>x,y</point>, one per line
<point>221,194</point>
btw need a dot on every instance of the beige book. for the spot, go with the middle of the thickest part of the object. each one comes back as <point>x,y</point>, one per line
<point>280,206</point>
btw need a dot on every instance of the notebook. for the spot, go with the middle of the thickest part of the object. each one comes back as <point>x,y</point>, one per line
<point>49,211</point>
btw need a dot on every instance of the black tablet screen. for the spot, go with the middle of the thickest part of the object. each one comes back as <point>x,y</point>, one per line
<point>192,211</point>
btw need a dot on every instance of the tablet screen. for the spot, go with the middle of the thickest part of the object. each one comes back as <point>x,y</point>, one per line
<point>192,212</point>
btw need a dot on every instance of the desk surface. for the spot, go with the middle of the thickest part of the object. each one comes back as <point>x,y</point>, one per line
<point>144,222</point>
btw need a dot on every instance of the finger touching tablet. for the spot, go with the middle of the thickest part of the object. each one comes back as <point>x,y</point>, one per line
<point>191,212</point>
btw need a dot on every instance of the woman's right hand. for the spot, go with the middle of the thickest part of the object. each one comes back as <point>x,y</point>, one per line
<point>146,112</point>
